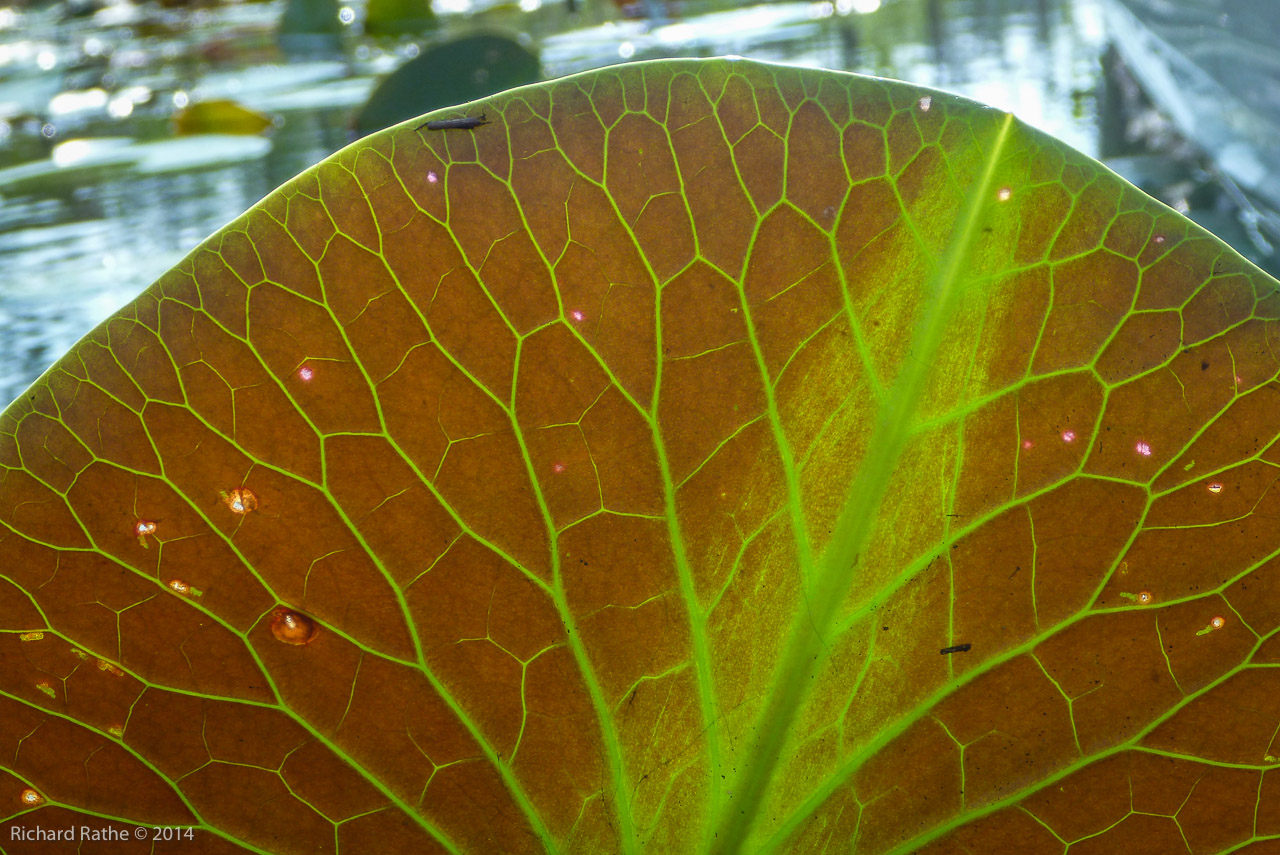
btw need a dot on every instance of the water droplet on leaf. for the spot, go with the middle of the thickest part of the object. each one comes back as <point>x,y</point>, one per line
<point>141,529</point>
<point>180,587</point>
<point>292,627</point>
<point>31,798</point>
<point>1004,194</point>
<point>241,500</point>
<point>925,103</point>
<point>1215,623</point>
<point>1146,597</point>
<point>1215,487</point>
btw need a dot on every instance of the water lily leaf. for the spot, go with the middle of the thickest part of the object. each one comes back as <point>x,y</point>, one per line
<point>700,456</point>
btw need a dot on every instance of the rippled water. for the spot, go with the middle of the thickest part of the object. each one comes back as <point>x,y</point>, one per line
<point>84,227</point>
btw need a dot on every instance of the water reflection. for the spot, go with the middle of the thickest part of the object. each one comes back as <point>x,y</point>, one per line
<point>80,237</point>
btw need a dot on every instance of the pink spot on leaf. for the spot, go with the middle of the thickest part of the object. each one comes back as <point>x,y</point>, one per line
<point>1142,448</point>
<point>305,373</point>
<point>432,177</point>
<point>1068,436</point>
<point>1026,443</point>
<point>558,467</point>
<point>577,315</point>
<point>1159,238</point>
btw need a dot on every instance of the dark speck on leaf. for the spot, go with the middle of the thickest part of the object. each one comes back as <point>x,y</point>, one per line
<point>1204,366</point>
<point>959,648</point>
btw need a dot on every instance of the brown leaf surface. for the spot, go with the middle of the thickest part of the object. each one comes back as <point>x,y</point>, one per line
<point>469,494</point>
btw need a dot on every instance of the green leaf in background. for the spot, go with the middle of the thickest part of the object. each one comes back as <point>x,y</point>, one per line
<point>608,478</point>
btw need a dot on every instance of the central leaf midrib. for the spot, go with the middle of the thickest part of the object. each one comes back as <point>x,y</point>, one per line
<point>854,525</point>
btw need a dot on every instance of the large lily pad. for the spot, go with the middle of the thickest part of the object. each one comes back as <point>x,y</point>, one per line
<point>608,477</point>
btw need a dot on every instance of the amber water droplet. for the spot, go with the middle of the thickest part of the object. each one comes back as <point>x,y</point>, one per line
<point>292,627</point>
<point>1215,487</point>
<point>241,500</point>
<point>142,528</point>
<point>179,586</point>
<point>31,798</point>
<point>1145,597</point>
<point>1218,622</point>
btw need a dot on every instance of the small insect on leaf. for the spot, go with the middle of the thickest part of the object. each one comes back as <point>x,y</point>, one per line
<point>462,123</point>
<point>958,648</point>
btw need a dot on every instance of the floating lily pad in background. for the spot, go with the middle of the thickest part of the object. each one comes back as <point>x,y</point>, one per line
<point>608,478</point>
<point>219,116</point>
<point>398,17</point>
<point>449,72</point>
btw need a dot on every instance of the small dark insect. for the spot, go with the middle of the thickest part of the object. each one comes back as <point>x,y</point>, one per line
<point>463,123</point>
<point>959,648</point>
